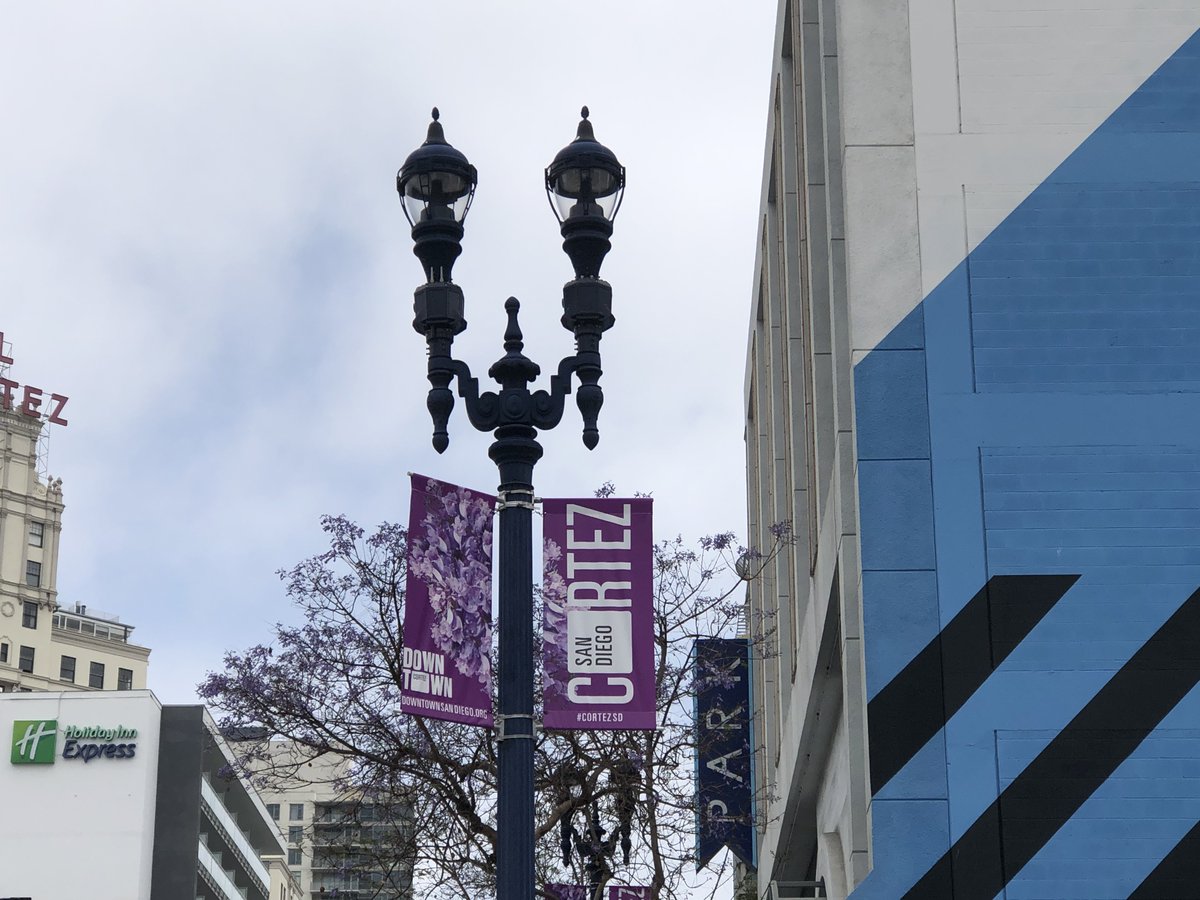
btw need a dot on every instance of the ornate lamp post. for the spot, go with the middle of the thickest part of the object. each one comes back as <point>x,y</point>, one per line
<point>585,184</point>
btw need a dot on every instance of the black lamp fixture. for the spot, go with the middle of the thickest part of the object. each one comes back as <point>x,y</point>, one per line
<point>585,183</point>
<point>437,185</point>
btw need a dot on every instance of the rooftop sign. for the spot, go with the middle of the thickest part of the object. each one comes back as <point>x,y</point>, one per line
<point>29,400</point>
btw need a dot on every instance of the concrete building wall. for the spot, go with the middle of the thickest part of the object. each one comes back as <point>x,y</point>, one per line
<point>972,387</point>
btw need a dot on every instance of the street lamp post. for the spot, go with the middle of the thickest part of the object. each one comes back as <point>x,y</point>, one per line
<point>593,850</point>
<point>585,184</point>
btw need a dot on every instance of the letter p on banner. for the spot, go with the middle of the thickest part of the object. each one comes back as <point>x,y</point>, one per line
<point>598,614</point>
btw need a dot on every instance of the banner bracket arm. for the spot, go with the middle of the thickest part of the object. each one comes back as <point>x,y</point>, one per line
<point>502,501</point>
<point>522,731</point>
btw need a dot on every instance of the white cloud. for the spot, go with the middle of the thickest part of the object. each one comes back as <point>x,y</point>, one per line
<point>200,243</point>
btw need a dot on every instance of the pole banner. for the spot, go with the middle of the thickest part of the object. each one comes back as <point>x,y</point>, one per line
<point>581,892</point>
<point>724,803</point>
<point>446,666</point>
<point>598,614</point>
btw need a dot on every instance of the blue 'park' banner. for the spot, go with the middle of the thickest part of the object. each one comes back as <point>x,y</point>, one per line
<point>723,759</point>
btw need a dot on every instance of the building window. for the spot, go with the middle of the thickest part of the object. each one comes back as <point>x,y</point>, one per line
<point>33,573</point>
<point>273,811</point>
<point>295,833</point>
<point>293,856</point>
<point>96,677</point>
<point>25,664</point>
<point>66,669</point>
<point>29,611</point>
<point>3,653</point>
<point>124,679</point>
<point>37,534</point>
<point>295,812</point>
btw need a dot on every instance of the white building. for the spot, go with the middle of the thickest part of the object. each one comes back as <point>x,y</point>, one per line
<point>338,844</point>
<point>112,796</point>
<point>45,646</point>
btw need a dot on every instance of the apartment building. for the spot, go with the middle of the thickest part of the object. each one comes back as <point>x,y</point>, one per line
<point>339,843</point>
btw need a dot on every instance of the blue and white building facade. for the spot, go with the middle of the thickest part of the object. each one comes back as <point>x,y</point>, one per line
<point>973,389</point>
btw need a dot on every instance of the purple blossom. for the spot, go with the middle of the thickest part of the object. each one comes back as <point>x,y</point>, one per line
<point>554,621</point>
<point>452,556</point>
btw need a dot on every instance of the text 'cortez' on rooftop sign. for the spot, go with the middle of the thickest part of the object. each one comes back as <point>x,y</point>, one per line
<point>27,399</point>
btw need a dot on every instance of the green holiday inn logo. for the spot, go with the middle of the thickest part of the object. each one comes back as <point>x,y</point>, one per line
<point>34,741</point>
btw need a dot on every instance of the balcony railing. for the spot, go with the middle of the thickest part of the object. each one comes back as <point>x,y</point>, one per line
<point>235,834</point>
<point>95,624</point>
<point>211,868</point>
<point>795,890</point>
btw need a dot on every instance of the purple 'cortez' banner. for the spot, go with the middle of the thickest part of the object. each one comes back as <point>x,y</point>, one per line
<point>579,892</point>
<point>447,662</point>
<point>598,621</point>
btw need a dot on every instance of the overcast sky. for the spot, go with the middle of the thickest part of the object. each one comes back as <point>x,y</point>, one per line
<point>201,245</point>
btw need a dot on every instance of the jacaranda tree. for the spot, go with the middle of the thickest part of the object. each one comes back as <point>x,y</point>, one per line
<point>608,804</point>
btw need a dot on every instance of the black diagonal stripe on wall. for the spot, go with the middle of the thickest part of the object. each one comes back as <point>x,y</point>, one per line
<point>1178,875</point>
<point>1081,757</point>
<point>916,704</point>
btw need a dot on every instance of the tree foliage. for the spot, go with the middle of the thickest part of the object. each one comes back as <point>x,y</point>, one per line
<point>620,802</point>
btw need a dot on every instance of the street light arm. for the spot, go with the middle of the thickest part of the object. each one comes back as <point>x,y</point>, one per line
<point>515,403</point>
<point>482,409</point>
<point>548,406</point>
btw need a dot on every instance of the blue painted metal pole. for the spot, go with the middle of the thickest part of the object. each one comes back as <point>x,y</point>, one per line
<point>515,452</point>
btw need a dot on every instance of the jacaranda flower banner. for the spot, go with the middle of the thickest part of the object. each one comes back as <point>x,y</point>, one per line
<point>598,619</point>
<point>724,800</point>
<point>447,662</point>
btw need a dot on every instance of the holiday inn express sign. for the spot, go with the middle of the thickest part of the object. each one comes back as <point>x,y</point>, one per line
<point>35,742</point>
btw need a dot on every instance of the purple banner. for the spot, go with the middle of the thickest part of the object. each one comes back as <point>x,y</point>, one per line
<point>447,661</point>
<point>579,892</point>
<point>598,620</point>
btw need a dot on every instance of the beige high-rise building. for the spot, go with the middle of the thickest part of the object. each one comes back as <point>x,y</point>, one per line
<point>45,646</point>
